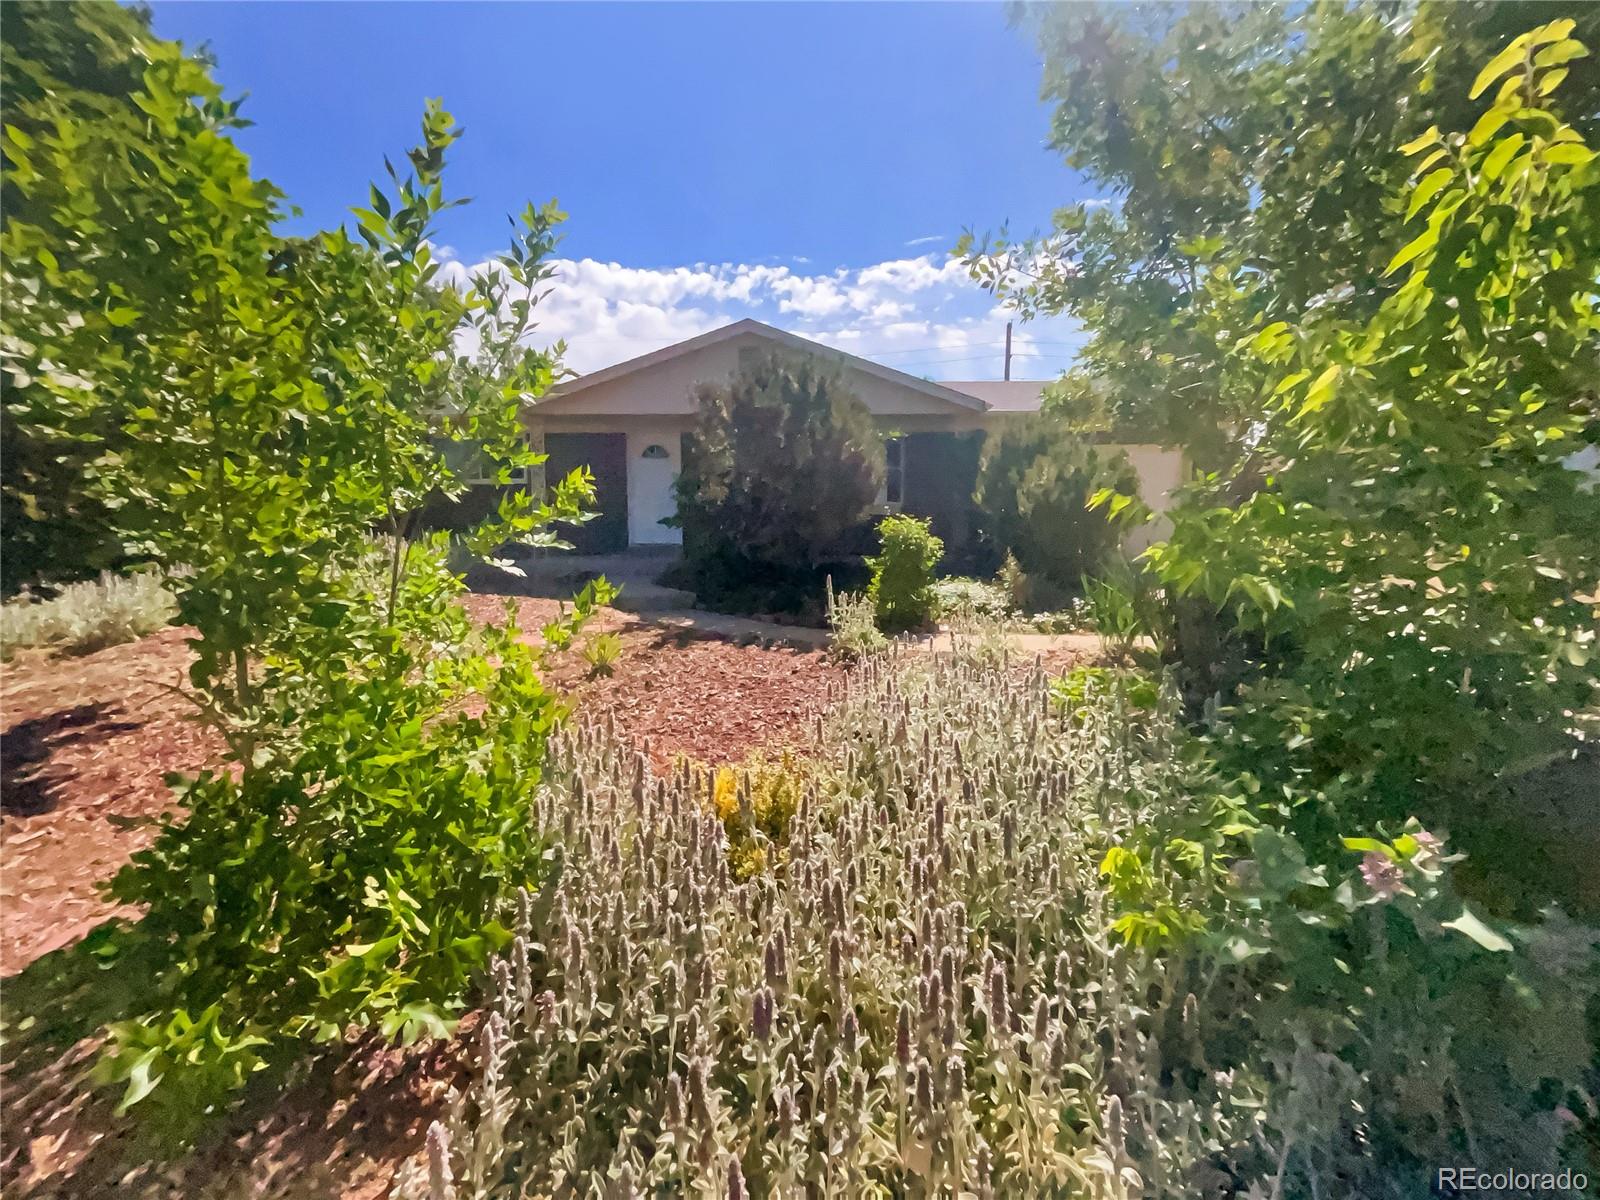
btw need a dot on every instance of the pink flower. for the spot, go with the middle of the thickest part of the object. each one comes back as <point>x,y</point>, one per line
<point>1382,876</point>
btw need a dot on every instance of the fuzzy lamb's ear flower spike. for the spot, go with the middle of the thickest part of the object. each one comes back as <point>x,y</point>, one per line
<point>999,998</point>
<point>674,1106</point>
<point>441,1183</point>
<point>850,1031</point>
<point>761,1015</point>
<point>784,1100</point>
<point>924,1090</point>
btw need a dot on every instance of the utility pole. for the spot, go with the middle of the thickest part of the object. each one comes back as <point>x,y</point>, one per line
<point>1008,350</point>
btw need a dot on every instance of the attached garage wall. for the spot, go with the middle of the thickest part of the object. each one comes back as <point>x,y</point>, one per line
<point>606,455</point>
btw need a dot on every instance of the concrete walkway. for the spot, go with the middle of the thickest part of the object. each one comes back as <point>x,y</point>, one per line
<point>698,621</point>
<point>556,575</point>
<point>750,629</point>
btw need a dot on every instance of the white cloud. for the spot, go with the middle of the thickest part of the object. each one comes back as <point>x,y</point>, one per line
<point>922,315</point>
<point>926,241</point>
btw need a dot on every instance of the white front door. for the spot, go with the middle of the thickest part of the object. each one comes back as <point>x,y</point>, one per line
<point>652,470</point>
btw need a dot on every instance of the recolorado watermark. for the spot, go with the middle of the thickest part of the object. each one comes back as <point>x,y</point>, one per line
<point>1460,1181</point>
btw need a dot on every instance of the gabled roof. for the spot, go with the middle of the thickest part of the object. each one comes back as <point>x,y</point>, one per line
<point>781,337</point>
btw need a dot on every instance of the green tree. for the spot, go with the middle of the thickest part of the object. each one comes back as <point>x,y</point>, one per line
<point>275,401</point>
<point>1247,153</point>
<point>783,463</point>
<point>84,58</point>
<point>1420,553</point>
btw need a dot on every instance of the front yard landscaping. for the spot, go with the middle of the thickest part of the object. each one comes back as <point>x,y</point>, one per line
<point>89,741</point>
<point>349,883</point>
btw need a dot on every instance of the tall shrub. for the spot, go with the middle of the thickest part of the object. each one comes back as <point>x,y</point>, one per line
<point>277,400</point>
<point>1389,374</point>
<point>1034,485</point>
<point>82,58</point>
<point>901,589</point>
<point>783,463</point>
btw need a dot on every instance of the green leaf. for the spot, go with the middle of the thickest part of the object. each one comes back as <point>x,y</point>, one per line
<point>1475,929</point>
<point>1499,65</point>
<point>1552,81</point>
<point>1428,188</point>
<point>1270,336</point>
<point>1564,51</point>
<point>1422,142</point>
<point>1553,32</point>
<point>376,951</point>
<point>1418,245</point>
<point>1568,153</point>
<point>1293,379</point>
<point>1489,124</point>
<point>1496,160</point>
<point>1367,845</point>
<point>1321,391</point>
<point>141,1081</point>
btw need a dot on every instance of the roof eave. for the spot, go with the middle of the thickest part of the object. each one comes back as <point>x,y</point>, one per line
<point>712,337</point>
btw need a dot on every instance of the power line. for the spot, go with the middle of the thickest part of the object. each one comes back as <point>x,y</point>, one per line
<point>935,362</point>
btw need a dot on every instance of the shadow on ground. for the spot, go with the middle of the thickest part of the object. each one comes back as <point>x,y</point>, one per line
<point>334,1128</point>
<point>31,787</point>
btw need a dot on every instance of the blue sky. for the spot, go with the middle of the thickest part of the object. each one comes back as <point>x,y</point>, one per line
<point>807,164</point>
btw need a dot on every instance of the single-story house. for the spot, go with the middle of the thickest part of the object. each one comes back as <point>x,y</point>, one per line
<point>628,422</point>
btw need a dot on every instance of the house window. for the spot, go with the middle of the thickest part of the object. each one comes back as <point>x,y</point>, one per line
<point>655,451</point>
<point>894,472</point>
<point>468,463</point>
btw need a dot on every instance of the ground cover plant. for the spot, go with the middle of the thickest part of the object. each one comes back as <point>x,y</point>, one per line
<point>853,625</point>
<point>956,593</point>
<point>86,616</point>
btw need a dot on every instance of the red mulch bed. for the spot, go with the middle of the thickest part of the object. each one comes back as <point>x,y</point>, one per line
<point>87,742</point>
<point>85,745</point>
<point>682,693</point>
